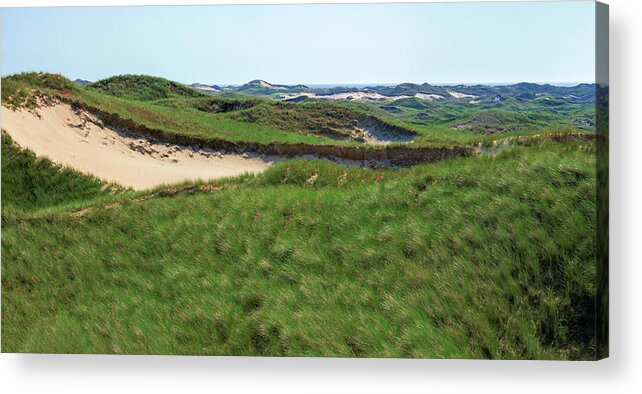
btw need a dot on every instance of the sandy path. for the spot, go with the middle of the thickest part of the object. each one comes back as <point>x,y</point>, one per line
<point>78,140</point>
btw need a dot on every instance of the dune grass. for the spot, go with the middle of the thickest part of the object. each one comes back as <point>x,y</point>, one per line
<point>143,88</point>
<point>192,122</point>
<point>31,183</point>
<point>483,257</point>
<point>19,90</point>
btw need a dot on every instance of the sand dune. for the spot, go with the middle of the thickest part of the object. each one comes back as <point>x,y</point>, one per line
<point>79,140</point>
<point>461,95</point>
<point>362,96</point>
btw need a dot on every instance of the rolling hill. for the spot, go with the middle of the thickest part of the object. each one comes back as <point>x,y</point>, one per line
<point>142,88</point>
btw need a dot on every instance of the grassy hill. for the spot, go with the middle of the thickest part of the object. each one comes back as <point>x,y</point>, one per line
<point>263,88</point>
<point>477,257</point>
<point>501,121</point>
<point>143,88</point>
<point>316,118</point>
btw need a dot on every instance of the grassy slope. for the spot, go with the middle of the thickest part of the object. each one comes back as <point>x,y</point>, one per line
<point>473,257</point>
<point>501,121</point>
<point>30,183</point>
<point>143,88</point>
<point>18,89</point>
<point>316,118</point>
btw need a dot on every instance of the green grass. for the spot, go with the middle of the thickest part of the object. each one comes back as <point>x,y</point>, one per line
<point>502,121</point>
<point>19,90</point>
<point>437,122</point>
<point>478,257</point>
<point>30,183</point>
<point>143,88</point>
<point>189,121</point>
<point>315,118</point>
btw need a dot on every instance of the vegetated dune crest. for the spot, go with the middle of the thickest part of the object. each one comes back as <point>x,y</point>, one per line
<point>79,140</point>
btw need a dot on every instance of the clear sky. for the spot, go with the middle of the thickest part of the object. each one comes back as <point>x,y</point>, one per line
<point>322,44</point>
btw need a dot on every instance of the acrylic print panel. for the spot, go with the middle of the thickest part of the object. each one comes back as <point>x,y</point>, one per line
<point>370,180</point>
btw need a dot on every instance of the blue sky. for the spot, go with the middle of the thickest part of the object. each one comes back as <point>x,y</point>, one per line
<point>314,44</point>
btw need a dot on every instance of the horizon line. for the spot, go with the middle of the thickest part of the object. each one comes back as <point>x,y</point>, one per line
<point>400,83</point>
<point>338,84</point>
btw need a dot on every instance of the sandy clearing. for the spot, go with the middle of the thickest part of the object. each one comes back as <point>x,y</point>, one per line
<point>78,140</point>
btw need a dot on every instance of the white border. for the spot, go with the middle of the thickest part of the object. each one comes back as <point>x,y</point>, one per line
<point>622,372</point>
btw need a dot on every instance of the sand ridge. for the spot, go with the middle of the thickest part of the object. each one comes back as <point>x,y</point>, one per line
<point>363,96</point>
<point>79,140</point>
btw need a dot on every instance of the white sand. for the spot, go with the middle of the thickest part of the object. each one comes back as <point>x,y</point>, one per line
<point>461,95</point>
<point>78,140</point>
<point>207,88</point>
<point>356,96</point>
<point>361,96</point>
<point>429,96</point>
<point>270,86</point>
